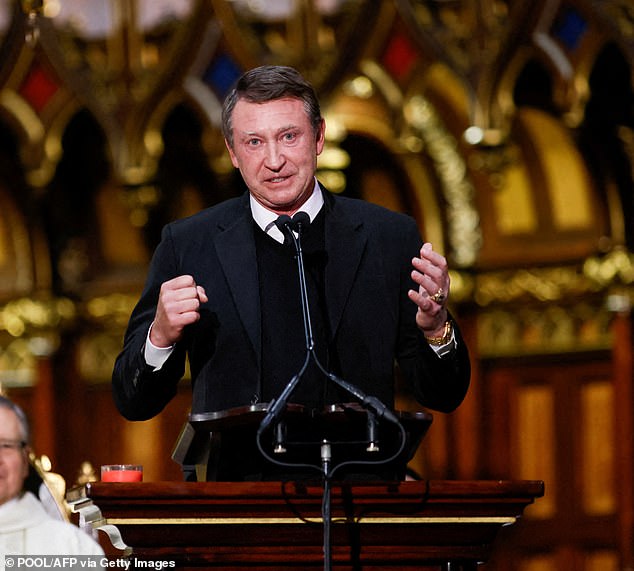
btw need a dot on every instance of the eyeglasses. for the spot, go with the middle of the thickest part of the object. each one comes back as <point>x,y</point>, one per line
<point>7,446</point>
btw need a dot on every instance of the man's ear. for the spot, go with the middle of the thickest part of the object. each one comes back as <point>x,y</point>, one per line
<point>232,155</point>
<point>320,137</point>
<point>26,462</point>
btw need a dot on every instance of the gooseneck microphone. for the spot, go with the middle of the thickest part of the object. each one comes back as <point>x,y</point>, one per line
<point>292,229</point>
<point>289,226</point>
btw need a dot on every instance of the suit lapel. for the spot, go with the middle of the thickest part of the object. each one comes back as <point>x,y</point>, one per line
<point>345,243</point>
<point>235,247</point>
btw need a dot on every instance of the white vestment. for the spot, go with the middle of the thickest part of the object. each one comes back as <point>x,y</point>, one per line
<point>26,529</point>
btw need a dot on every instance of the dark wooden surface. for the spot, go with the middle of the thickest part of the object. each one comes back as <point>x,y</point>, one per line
<point>429,525</point>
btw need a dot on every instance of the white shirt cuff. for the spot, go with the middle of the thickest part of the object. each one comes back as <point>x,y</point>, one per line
<point>156,356</point>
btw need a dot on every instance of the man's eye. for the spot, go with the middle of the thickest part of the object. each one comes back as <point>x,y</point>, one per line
<point>10,445</point>
<point>253,142</point>
<point>288,137</point>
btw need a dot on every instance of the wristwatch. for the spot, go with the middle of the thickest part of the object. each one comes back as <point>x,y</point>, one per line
<point>444,338</point>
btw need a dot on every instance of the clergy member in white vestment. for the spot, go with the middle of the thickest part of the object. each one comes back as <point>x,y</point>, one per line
<point>26,528</point>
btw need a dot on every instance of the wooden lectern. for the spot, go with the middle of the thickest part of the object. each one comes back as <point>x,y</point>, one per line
<point>412,525</point>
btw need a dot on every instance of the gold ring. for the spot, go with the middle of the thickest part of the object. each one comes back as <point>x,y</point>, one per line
<point>439,296</point>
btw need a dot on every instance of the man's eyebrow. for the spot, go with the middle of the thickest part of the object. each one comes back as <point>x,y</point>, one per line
<point>247,133</point>
<point>283,129</point>
<point>287,128</point>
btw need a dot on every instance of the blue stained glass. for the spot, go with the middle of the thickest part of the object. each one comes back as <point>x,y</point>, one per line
<point>221,74</point>
<point>569,28</point>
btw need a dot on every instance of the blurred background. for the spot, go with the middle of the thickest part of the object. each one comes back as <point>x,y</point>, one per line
<point>505,127</point>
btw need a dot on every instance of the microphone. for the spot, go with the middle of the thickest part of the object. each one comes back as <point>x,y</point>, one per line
<point>289,226</point>
<point>380,409</point>
<point>375,408</point>
<point>277,406</point>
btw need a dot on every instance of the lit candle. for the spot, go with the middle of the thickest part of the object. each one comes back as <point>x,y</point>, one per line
<point>121,473</point>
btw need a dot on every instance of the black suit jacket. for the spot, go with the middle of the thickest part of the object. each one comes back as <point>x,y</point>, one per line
<point>367,276</point>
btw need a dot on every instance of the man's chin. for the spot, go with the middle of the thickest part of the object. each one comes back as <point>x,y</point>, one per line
<point>282,206</point>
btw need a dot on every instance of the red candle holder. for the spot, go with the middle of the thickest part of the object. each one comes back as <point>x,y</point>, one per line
<point>121,473</point>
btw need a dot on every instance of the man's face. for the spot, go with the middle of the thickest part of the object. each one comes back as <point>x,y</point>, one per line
<point>13,459</point>
<point>276,149</point>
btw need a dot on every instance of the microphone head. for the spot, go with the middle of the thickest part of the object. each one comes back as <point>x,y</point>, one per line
<point>300,221</point>
<point>284,223</point>
<point>282,219</point>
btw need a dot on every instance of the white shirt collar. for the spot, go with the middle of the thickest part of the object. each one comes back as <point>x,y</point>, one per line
<point>264,217</point>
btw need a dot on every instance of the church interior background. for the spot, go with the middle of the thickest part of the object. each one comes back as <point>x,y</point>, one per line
<point>505,127</point>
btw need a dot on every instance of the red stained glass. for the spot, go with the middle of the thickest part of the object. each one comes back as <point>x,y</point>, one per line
<point>38,87</point>
<point>399,57</point>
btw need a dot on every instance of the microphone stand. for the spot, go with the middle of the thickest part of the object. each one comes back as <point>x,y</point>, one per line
<point>374,405</point>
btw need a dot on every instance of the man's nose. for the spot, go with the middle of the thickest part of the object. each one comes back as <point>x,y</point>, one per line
<point>274,158</point>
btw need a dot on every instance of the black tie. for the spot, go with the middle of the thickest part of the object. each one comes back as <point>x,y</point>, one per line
<point>297,223</point>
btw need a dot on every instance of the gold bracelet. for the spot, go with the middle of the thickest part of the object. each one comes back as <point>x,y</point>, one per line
<point>444,338</point>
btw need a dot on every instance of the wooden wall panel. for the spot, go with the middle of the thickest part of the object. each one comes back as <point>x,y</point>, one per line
<point>538,563</point>
<point>554,419</point>
<point>623,358</point>
<point>534,440</point>
<point>596,429</point>
<point>604,560</point>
